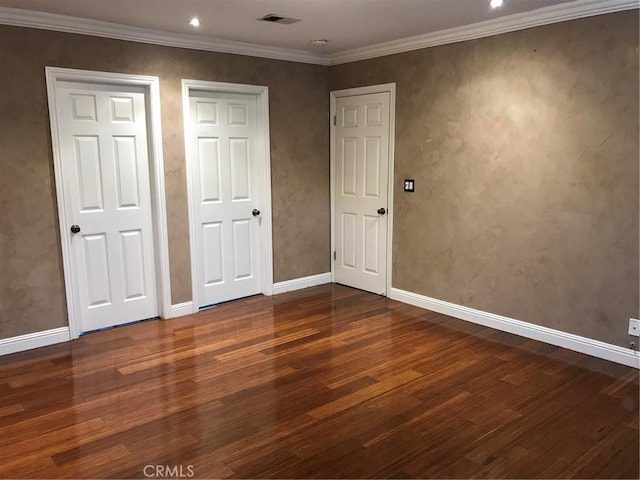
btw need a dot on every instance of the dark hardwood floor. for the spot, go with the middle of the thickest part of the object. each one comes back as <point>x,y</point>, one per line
<point>327,382</point>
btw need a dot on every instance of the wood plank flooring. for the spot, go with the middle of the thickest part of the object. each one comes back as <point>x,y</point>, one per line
<point>327,382</point>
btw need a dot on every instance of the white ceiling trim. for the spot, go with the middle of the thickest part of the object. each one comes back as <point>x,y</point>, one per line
<point>510,23</point>
<point>535,18</point>
<point>83,26</point>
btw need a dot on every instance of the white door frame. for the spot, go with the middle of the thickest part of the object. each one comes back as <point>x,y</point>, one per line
<point>156,174</point>
<point>384,88</point>
<point>264,176</point>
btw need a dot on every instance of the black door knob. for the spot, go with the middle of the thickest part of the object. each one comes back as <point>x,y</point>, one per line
<point>381,211</point>
<point>75,228</point>
<point>255,212</point>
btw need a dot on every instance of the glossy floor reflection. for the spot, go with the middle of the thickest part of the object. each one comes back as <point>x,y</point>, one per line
<point>327,382</point>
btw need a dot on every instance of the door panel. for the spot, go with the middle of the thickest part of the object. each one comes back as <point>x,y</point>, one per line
<point>103,146</point>
<point>97,270</point>
<point>242,243</point>
<point>372,167</point>
<point>122,109</point>
<point>127,172</point>
<point>222,136</point>
<point>89,173</point>
<point>83,106</point>
<point>132,264</point>
<point>209,155</point>
<point>349,165</point>
<point>349,250</point>
<point>213,253</point>
<point>372,251</point>
<point>238,115</point>
<point>361,176</point>
<point>239,160</point>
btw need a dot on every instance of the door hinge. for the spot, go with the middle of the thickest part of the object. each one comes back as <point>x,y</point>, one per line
<point>334,254</point>
<point>334,121</point>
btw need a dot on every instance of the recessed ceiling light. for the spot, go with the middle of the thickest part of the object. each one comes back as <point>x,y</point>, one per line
<point>194,22</point>
<point>319,42</point>
<point>496,3</point>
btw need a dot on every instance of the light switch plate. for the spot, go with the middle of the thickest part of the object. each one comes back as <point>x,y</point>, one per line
<point>409,185</point>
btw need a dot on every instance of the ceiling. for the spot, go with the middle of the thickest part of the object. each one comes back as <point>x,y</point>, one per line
<point>347,24</point>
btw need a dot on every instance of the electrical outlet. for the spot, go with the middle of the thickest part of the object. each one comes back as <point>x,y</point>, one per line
<point>634,327</point>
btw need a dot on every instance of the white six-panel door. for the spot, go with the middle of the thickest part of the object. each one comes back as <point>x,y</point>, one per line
<point>224,195</point>
<point>361,191</point>
<point>104,153</point>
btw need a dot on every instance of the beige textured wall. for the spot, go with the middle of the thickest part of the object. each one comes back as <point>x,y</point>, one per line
<point>524,148</point>
<point>32,284</point>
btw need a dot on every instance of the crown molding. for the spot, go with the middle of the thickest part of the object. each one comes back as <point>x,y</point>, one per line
<point>520,21</point>
<point>509,23</point>
<point>83,26</point>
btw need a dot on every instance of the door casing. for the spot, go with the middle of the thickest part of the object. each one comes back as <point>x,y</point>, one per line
<point>383,88</point>
<point>264,176</point>
<point>156,174</point>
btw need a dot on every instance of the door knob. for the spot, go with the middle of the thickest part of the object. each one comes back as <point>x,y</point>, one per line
<point>381,211</point>
<point>75,228</point>
<point>255,212</point>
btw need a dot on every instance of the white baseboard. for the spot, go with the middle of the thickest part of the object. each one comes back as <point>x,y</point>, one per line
<point>34,340</point>
<point>577,343</point>
<point>181,309</point>
<point>303,282</point>
<point>186,308</point>
<point>62,334</point>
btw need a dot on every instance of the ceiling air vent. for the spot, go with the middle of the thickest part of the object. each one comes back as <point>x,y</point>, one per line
<point>273,18</point>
